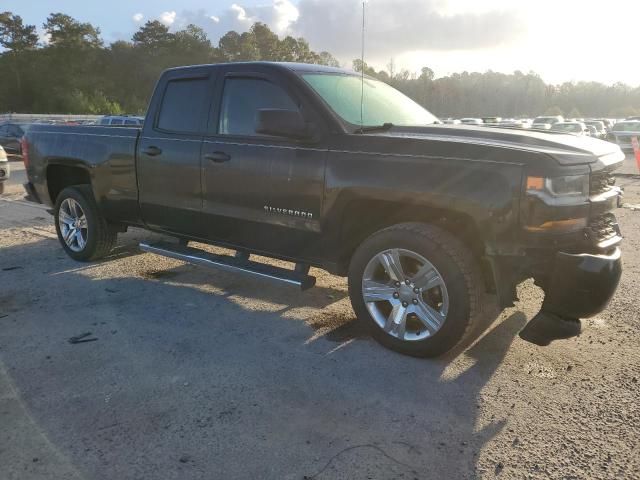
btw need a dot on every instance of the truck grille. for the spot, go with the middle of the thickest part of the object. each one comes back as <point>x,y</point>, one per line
<point>604,229</point>
<point>601,181</point>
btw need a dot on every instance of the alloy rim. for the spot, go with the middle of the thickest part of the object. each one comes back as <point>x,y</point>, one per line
<point>73,225</point>
<point>405,294</point>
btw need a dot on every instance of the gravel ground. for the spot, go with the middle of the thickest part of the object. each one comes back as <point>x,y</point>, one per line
<point>199,374</point>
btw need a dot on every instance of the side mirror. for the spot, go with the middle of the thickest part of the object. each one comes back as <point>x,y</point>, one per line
<point>282,123</point>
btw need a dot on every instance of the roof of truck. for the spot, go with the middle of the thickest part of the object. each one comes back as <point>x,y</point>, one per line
<point>296,67</point>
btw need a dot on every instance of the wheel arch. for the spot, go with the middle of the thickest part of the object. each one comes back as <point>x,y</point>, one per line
<point>363,217</point>
<point>63,173</point>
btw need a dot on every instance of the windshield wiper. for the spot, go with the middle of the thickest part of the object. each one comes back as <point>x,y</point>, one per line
<point>375,128</point>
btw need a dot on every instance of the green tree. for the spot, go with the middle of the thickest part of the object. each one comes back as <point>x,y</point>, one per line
<point>66,31</point>
<point>555,110</point>
<point>575,113</point>
<point>153,36</point>
<point>18,40</point>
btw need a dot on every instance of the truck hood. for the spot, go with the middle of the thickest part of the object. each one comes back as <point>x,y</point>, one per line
<point>566,149</point>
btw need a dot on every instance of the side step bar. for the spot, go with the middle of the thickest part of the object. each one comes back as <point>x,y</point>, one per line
<point>239,263</point>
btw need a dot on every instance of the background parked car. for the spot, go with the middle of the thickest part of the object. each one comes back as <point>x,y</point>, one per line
<point>577,128</point>
<point>514,123</point>
<point>592,131</point>
<point>546,122</point>
<point>4,169</point>
<point>10,135</point>
<point>121,120</point>
<point>471,121</point>
<point>623,131</point>
<point>601,130</point>
<point>492,121</point>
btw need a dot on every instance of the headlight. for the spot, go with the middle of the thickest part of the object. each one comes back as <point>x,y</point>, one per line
<point>557,204</point>
<point>566,190</point>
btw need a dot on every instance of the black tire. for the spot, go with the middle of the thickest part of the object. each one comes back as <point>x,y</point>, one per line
<point>101,237</point>
<point>458,268</point>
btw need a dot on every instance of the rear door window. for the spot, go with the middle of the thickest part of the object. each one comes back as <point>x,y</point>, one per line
<point>184,106</point>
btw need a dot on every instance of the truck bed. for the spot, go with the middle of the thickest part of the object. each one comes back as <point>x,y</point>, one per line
<point>106,154</point>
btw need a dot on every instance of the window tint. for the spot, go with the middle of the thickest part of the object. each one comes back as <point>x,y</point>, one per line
<point>104,121</point>
<point>130,122</point>
<point>241,100</point>
<point>183,105</point>
<point>117,121</point>
<point>382,103</point>
<point>3,129</point>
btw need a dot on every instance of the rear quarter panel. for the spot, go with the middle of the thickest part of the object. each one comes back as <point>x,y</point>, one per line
<point>106,153</point>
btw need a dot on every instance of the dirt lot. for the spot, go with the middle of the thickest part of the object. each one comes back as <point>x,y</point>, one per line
<point>198,374</point>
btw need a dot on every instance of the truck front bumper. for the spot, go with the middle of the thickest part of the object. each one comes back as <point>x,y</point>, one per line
<point>580,286</point>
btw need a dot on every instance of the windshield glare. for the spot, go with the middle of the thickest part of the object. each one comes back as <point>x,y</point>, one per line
<point>382,103</point>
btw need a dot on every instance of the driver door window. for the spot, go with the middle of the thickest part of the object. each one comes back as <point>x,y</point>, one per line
<point>241,100</point>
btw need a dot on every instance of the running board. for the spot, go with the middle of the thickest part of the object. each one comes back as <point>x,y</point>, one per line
<point>239,263</point>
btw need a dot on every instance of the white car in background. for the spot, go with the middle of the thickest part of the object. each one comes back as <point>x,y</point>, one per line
<point>471,121</point>
<point>546,122</point>
<point>624,131</point>
<point>4,169</point>
<point>576,128</point>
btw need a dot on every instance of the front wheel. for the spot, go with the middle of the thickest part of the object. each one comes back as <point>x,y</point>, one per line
<point>82,230</point>
<point>417,287</point>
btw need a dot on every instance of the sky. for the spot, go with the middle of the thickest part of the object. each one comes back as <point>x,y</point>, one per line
<point>562,40</point>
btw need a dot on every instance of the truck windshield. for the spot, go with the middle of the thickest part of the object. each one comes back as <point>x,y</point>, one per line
<point>382,103</point>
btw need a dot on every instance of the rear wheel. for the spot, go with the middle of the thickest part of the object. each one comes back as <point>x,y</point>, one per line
<point>82,230</point>
<point>417,287</point>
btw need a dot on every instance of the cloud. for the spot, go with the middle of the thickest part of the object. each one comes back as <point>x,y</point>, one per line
<point>393,27</point>
<point>396,26</point>
<point>168,18</point>
<point>279,15</point>
<point>43,36</point>
<point>138,17</point>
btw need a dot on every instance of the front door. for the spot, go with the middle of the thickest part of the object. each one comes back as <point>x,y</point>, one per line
<point>260,192</point>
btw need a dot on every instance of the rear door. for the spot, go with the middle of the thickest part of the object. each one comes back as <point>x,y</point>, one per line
<point>169,151</point>
<point>260,192</point>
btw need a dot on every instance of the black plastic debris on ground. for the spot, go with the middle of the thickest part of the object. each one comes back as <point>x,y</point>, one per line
<point>82,338</point>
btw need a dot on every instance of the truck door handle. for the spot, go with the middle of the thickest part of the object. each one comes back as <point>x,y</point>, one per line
<point>152,151</point>
<point>218,157</point>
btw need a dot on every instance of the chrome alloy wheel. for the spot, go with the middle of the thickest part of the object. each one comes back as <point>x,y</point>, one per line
<point>73,225</point>
<point>405,294</point>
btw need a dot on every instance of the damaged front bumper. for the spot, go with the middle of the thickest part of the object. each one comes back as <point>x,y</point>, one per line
<point>580,286</point>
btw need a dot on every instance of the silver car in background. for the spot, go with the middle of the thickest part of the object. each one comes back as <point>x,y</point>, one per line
<point>577,128</point>
<point>601,129</point>
<point>546,122</point>
<point>622,133</point>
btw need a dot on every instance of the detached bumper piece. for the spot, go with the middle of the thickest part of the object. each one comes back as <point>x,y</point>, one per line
<point>581,286</point>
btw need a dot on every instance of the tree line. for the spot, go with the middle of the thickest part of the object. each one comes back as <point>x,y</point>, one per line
<point>73,71</point>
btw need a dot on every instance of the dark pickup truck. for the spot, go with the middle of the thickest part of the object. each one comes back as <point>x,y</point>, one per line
<point>323,168</point>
